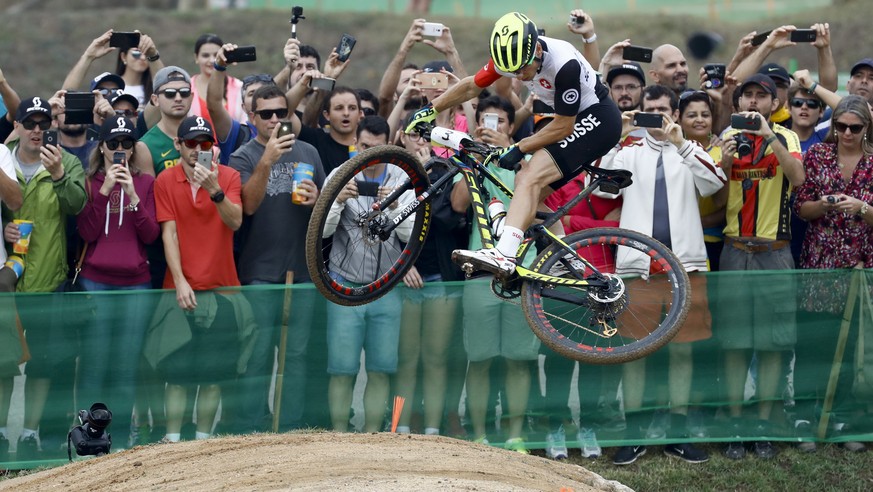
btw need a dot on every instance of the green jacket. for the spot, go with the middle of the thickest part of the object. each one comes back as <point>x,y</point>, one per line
<point>47,204</point>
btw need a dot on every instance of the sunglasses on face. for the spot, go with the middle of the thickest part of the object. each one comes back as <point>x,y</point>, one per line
<point>369,111</point>
<point>266,114</point>
<point>107,93</point>
<point>127,112</point>
<point>798,102</point>
<point>194,143</point>
<point>842,127</point>
<point>31,124</point>
<point>125,143</point>
<point>135,53</point>
<point>171,93</point>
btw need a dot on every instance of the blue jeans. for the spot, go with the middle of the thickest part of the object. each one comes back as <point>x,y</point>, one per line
<point>110,351</point>
<point>373,327</point>
<point>254,385</point>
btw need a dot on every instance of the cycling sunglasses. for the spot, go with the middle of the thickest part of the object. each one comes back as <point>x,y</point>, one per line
<point>125,143</point>
<point>193,143</point>
<point>798,102</point>
<point>31,124</point>
<point>171,93</point>
<point>266,114</point>
<point>842,127</point>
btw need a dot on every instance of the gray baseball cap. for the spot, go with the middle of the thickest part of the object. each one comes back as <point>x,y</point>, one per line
<point>170,74</point>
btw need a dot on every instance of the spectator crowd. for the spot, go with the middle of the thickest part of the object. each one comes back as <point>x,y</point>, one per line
<point>201,183</point>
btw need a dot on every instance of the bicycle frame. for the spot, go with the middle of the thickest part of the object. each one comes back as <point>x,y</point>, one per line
<point>464,162</point>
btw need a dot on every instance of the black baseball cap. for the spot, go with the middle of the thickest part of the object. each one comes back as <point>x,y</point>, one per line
<point>195,126</point>
<point>116,126</point>
<point>107,77</point>
<point>436,65</point>
<point>626,68</point>
<point>775,71</point>
<point>866,62</point>
<point>31,106</point>
<point>122,96</point>
<point>762,80</point>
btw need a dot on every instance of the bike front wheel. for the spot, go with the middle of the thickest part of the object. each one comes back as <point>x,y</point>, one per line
<point>637,310</point>
<point>352,255</point>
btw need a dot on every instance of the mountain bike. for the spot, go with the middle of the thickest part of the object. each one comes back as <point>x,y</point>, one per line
<point>603,296</point>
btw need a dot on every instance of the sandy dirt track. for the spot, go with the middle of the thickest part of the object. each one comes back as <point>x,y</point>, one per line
<point>316,461</point>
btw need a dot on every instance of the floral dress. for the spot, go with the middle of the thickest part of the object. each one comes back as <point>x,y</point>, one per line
<point>834,240</point>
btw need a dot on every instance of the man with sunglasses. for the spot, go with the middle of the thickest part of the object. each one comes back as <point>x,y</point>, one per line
<point>172,96</point>
<point>806,112</point>
<point>231,133</point>
<point>266,252</point>
<point>52,183</point>
<point>757,237</point>
<point>198,242</point>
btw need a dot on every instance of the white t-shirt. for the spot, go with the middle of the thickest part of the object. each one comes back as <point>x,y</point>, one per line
<point>137,91</point>
<point>7,167</point>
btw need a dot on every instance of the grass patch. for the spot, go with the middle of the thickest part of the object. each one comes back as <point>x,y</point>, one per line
<point>829,468</point>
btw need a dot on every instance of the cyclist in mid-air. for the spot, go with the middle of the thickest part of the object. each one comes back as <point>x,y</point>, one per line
<point>587,124</point>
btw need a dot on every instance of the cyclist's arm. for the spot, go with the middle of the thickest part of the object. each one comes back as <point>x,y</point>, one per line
<point>567,95</point>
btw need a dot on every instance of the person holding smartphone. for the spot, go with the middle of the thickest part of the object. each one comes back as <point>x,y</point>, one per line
<point>670,172</point>
<point>52,184</point>
<point>757,237</point>
<point>117,223</point>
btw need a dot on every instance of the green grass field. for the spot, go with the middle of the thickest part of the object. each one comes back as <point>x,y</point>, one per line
<point>552,10</point>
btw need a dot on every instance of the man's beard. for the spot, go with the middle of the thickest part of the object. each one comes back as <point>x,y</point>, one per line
<point>73,130</point>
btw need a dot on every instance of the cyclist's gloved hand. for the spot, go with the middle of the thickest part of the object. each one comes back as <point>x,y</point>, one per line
<point>426,114</point>
<point>510,158</point>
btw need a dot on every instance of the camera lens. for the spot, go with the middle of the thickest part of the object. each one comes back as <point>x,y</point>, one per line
<point>831,199</point>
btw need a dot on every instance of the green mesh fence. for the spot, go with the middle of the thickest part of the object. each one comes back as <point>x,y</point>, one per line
<point>788,356</point>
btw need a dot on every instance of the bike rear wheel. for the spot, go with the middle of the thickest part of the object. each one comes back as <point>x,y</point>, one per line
<point>642,309</point>
<point>372,263</point>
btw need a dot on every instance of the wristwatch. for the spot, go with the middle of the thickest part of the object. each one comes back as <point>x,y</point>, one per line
<point>590,40</point>
<point>154,58</point>
<point>863,210</point>
<point>218,197</point>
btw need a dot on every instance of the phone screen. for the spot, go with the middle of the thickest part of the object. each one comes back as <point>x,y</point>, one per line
<point>367,188</point>
<point>637,53</point>
<point>648,120</point>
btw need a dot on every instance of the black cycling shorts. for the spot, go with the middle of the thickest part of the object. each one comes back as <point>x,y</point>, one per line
<point>596,131</point>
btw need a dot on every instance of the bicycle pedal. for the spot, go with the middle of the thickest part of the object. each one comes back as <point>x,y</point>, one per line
<point>468,268</point>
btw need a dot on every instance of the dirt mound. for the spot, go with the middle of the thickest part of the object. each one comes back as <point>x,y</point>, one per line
<point>316,461</point>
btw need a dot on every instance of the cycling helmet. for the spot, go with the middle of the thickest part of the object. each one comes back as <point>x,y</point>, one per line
<point>513,42</point>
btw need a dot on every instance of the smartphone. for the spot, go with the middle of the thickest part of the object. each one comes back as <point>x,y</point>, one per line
<point>648,120</point>
<point>490,120</point>
<point>79,108</point>
<point>242,54</point>
<point>433,80</point>
<point>118,157</point>
<point>577,20</point>
<point>50,137</point>
<point>637,53</point>
<point>124,40</point>
<point>284,129</point>
<point>741,122</point>
<point>204,158</point>
<point>760,38</point>
<point>540,107</point>
<point>367,188</point>
<point>715,72</point>
<point>802,36</point>
<point>345,47</point>
<point>323,84</point>
<point>433,29</point>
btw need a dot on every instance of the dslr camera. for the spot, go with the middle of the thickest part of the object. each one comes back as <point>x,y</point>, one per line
<point>744,145</point>
<point>90,438</point>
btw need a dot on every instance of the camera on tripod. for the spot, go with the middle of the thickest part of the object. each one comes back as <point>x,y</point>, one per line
<point>90,436</point>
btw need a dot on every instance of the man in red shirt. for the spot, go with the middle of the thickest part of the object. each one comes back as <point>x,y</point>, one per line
<point>199,208</point>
